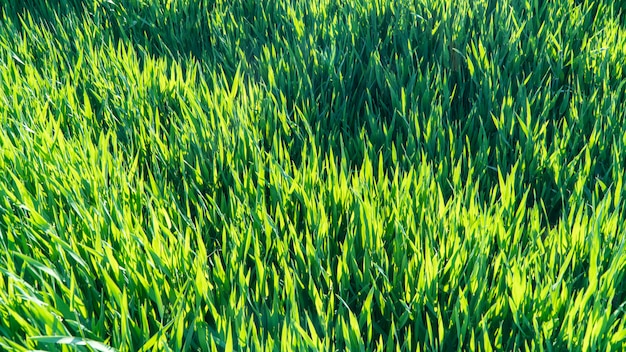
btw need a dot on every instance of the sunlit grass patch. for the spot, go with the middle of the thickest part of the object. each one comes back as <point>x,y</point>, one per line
<point>371,175</point>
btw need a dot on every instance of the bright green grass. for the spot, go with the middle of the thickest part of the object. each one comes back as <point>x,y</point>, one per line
<point>312,175</point>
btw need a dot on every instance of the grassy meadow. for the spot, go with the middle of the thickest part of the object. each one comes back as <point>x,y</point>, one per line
<point>365,175</point>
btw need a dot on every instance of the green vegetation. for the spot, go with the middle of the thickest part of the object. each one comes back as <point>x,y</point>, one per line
<point>312,175</point>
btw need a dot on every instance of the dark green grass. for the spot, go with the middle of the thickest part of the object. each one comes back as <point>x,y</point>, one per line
<point>299,175</point>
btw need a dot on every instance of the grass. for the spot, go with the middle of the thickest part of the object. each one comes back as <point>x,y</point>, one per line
<point>312,175</point>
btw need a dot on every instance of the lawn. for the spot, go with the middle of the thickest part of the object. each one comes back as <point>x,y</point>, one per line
<point>374,175</point>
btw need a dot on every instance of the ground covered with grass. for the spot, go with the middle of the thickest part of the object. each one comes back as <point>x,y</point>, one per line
<point>312,175</point>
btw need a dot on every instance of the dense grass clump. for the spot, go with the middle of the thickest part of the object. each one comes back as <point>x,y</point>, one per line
<point>312,175</point>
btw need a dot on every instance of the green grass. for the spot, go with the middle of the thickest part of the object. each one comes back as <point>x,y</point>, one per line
<point>312,175</point>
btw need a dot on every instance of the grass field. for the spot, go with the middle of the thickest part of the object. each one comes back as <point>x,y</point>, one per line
<point>312,175</point>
